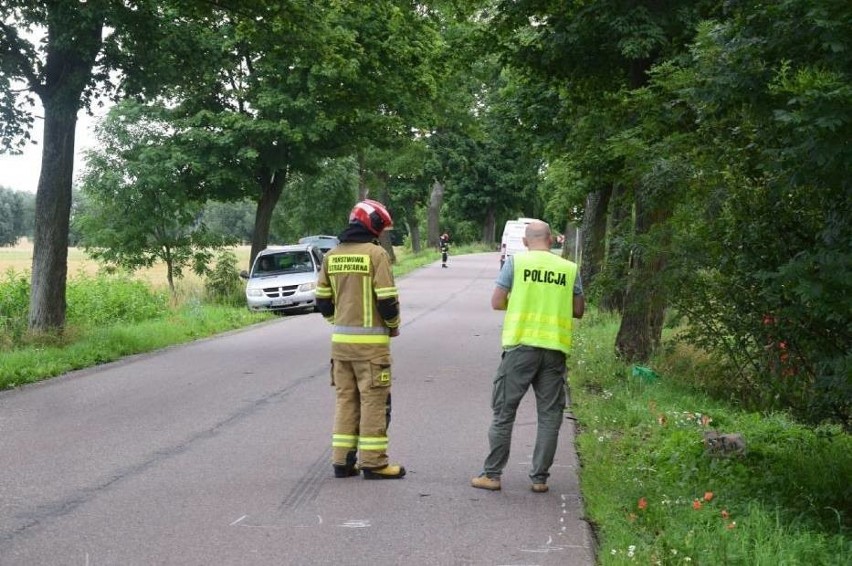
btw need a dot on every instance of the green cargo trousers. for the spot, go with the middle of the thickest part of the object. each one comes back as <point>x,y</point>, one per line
<point>520,368</point>
<point>360,416</point>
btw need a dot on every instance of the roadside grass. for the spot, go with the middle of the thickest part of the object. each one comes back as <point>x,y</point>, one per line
<point>112,316</point>
<point>655,496</point>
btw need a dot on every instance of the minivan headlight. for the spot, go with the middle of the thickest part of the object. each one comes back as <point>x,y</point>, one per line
<point>254,292</point>
<point>308,286</point>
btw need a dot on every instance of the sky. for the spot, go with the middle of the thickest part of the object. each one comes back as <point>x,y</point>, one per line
<point>20,172</point>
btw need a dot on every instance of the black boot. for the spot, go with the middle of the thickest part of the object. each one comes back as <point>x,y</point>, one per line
<point>349,469</point>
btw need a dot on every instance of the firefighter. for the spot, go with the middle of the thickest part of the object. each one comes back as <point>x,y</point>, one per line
<point>356,294</point>
<point>444,246</point>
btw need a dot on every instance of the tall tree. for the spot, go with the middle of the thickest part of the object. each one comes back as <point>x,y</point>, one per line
<point>269,109</point>
<point>139,208</point>
<point>83,42</point>
<point>582,57</point>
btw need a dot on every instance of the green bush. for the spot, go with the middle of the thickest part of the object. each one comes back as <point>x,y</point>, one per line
<point>109,299</point>
<point>14,305</point>
<point>223,285</point>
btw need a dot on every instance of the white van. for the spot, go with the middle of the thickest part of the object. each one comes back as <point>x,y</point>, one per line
<point>284,279</point>
<point>512,240</point>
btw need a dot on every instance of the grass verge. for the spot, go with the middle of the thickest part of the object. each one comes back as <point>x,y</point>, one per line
<point>656,496</point>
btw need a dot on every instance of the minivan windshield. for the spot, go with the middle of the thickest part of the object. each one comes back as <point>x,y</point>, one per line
<point>283,262</point>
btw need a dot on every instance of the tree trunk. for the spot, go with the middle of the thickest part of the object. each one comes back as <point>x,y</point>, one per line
<point>170,275</point>
<point>617,257</point>
<point>53,211</point>
<point>363,189</point>
<point>271,189</point>
<point>72,48</point>
<point>414,231</point>
<point>489,227</point>
<point>433,217</point>
<point>641,327</point>
<point>385,236</point>
<point>593,232</point>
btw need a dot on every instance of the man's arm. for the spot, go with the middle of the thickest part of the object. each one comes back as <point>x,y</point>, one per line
<point>579,306</point>
<point>324,294</point>
<point>500,298</point>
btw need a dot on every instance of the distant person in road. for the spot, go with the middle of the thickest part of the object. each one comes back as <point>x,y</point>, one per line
<point>541,293</point>
<point>356,293</point>
<point>444,246</point>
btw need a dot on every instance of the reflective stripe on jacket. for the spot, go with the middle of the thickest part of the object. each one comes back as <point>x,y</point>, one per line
<point>355,276</point>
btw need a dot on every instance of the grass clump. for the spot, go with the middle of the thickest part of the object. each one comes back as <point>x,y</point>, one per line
<point>656,496</point>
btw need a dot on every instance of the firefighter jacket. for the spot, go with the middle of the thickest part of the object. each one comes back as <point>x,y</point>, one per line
<point>356,293</point>
<point>541,303</point>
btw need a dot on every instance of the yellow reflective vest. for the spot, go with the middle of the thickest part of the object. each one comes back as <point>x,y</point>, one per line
<point>541,302</point>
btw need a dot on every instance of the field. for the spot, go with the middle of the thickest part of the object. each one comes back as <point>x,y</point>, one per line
<point>19,259</point>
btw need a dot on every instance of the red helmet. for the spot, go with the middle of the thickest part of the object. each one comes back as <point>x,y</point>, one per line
<point>372,215</point>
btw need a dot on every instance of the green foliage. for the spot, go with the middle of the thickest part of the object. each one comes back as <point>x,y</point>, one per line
<point>109,299</point>
<point>318,203</point>
<point>98,345</point>
<point>230,220</point>
<point>655,495</point>
<point>14,303</point>
<point>763,274</point>
<point>93,302</point>
<point>223,285</point>
<point>139,206</point>
<point>12,216</point>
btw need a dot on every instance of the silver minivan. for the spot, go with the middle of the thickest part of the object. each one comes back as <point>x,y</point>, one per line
<point>284,279</point>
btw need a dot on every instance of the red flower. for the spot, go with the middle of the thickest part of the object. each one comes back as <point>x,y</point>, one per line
<point>643,503</point>
<point>725,514</point>
<point>696,505</point>
<point>708,495</point>
<point>732,524</point>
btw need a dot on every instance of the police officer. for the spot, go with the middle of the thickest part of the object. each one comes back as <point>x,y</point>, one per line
<point>357,294</point>
<point>545,294</point>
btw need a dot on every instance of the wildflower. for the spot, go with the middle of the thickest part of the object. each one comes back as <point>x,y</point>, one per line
<point>661,419</point>
<point>708,495</point>
<point>725,514</point>
<point>732,524</point>
<point>696,505</point>
<point>643,503</point>
<point>631,550</point>
<point>613,552</point>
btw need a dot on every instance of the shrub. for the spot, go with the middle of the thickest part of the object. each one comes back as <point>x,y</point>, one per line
<point>14,304</point>
<point>107,299</point>
<point>223,285</point>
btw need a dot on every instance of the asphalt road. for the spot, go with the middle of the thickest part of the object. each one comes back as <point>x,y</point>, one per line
<point>218,453</point>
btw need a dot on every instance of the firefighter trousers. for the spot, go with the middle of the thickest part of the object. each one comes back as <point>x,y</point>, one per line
<point>360,416</point>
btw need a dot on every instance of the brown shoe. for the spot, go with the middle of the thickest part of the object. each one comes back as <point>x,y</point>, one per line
<point>539,487</point>
<point>484,482</point>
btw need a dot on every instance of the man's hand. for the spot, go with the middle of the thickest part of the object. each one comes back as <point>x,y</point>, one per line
<point>394,332</point>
